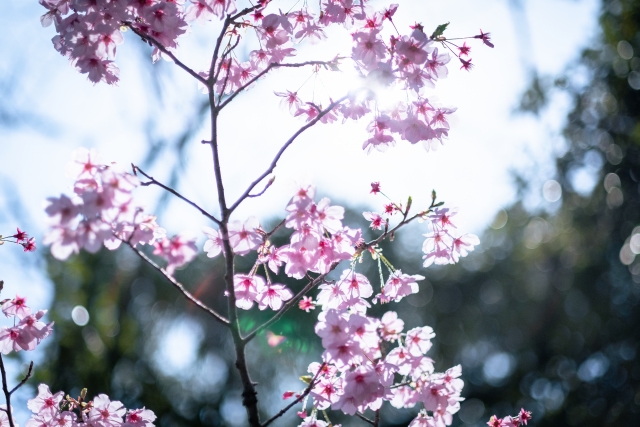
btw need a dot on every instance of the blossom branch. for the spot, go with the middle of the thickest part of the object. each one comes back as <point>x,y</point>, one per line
<point>299,399</point>
<point>214,58</point>
<point>180,287</point>
<point>251,335</point>
<point>7,393</point>
<point>24,380</point>
<point>153,181</point>
<point>266,187</point>
<point>156,43</point>
<point>271,67</point>
<point>286,145</point>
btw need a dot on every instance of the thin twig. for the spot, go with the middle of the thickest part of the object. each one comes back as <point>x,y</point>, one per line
<point>164,50</point>
<point>245,11</point>
<point>280,152</point>
<point>363,418</point>
<point>180,287</point>
<point>298,399</point>
<point>266,187</point>
<point>7,393</point>
<point>276,228</point>
<point>24,380</point>
<point>172,191</point>
<point>214,58</point>
<point>269,68</point>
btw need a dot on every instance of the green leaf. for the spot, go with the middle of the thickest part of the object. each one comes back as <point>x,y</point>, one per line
<point>439,31</point>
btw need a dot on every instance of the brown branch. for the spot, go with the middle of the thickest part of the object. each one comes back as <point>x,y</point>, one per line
<point>24,380</point>
<point>280,152</point>
<point>7,393</point>
<point>269,68</point>
<point>214,58</point>
<point>153,181</point>
<point>156,43</point>
<point>245,11</point>
<point>363,418</point>
<point>180,287</point>
<point>304,394</point>
<point>227,51</point>
<point>266,187</point>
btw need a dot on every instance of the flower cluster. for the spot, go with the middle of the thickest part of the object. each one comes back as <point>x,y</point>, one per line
<point>444,245</point>
<point>54,410</point>
<point>20,238</point>
<point>89,33</point>
<point>360,372</point>
<point>28,329</point>
<point>319,241</point>
<point>522,418</point>
<point>102,212</point>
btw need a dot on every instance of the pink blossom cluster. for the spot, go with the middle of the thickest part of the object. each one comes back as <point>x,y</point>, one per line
<point>360,371</point>
<point>54,410</point>
<point>444,245</point>
<point>28,329</point>
<point>102,212</point>
<point>21,238</point>
<point>522,418</point>
<point>89,31</point>
<point>318,242</point>
<point>410,63</point>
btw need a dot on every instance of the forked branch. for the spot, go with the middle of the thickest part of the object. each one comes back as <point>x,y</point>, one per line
<point>180,287</point>
<point>153,181</point>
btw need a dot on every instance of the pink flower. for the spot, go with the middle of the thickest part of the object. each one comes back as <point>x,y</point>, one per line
<point>273,295</point>
<point>400,285</point>
<point>377,223</point>
<point>213,245</point>
<point>45,404</point>
<point>361,387</point>
<point>463,245</point>
<point>16,307</point>
<point>306,304</point>
<point>139,418</point>
<point>494,421</point>
<point>485,38</point>
<point>375,188</point>
<point>369,48</point>
<point>84,164</point>
<point>106,413</point>
<point>418,340</point>
<point>391,326</point>
<point>246,289</point>
<point>287,395</point>
<point>29,245</point>
<point>244,237</point>
<point>524,416</point>
<point>20,236</point>
<point>62,210</point>
<point>355,285</point>
<point>178,251</point>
